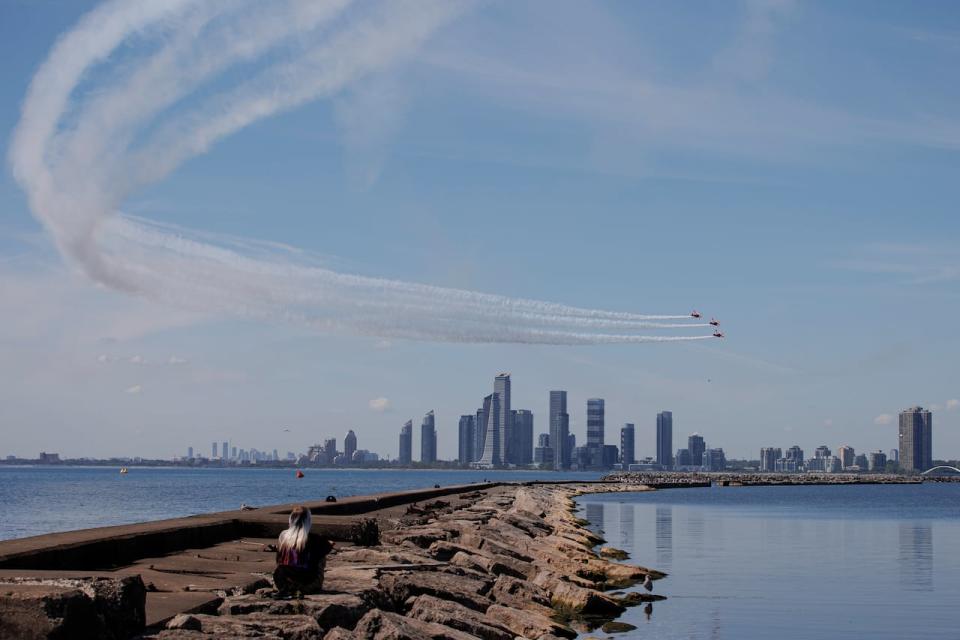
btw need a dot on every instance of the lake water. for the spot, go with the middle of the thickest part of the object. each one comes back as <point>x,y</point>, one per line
<point>36,500</point>
<point>865,561</point>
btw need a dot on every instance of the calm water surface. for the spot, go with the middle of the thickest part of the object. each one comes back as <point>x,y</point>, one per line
<point>792,562</point>
<point>36,500</point>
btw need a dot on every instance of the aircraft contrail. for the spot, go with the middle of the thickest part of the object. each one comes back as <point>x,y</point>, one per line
<point>95,130</point>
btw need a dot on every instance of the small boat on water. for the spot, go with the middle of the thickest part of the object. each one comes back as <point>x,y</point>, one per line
<point>123,469</point>
<point>299,474</point>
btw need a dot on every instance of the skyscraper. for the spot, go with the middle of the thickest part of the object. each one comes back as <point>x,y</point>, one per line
<point>523,436</point>
<point>491,440</point>
<point>665,439</point>
<point>559,429</point>
<point>225,449</point>
<point>406,443</point>
<point>543,454</point>
<point>428,439</point>
<point>916,439</point>
<point>190,453</point>
<point>349,445</point>
<point>467,438</point>
<point>696,447</point>
<point>330,449</point>
<point>846,455</point>
<point>213,450</point>
<point>595,426</point>
<point>501,386</point>
<point>479,434</point>
<point>628,453</point>
<point>769,457</point>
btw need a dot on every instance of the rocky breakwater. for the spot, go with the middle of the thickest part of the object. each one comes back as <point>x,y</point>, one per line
<point>511,562</point>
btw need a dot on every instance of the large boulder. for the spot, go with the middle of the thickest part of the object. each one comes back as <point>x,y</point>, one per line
<point>254,625</point>
<point>468,591</point>
<point>457,616</point>
<point>98,607</point>
<point>328,609</point>
<point>528,623</point>
<point>521,594</point>
<point>383,625</point>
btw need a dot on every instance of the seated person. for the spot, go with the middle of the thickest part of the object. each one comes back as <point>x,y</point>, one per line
<point>300,558</point>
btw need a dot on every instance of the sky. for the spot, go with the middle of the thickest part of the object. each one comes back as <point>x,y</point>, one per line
<point>210,220</point>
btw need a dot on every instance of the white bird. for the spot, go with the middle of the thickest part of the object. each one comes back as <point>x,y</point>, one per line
<point>648,583</point>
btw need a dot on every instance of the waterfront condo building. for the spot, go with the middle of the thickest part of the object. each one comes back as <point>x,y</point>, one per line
<point>696,446</point>
<point>428,439</point>
<point>349,446</point>
<point>490,455</point>
<point>628,454</point>
<point>916,439</point>
<point>595,426</point>
<point>559,430</point>
<point>847,455</point>
<point>769,457</point>
<point>665,439</point>
<point>406,443</point>
<point>501,386</point>
<point>467,438</point>
<point>522,448</point>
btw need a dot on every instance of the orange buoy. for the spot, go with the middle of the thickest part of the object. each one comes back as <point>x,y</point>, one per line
<point>299,473</point>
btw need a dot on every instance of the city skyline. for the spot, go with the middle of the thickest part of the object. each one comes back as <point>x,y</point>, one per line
<point>799,189</point>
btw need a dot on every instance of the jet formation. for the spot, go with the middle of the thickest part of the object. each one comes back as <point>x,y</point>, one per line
<point>713,322</point>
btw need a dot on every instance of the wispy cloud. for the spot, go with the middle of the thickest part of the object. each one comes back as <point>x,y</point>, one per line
<point>380,405</point>
<point>883,419</point>
<point>952,404</point>
<point>134,390</point>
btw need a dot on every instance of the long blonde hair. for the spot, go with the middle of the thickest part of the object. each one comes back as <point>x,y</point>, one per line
<point>296,535</point>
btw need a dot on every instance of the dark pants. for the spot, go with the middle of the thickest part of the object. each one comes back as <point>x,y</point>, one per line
<point>294,580</point>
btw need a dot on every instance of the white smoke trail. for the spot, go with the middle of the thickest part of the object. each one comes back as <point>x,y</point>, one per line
<point>93,131</point>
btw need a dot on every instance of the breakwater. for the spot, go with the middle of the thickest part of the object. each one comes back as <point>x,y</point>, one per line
<point>487,560</point>
<point>679,479</point>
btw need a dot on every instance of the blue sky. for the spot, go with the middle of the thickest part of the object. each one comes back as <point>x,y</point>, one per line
<point>790,168</point>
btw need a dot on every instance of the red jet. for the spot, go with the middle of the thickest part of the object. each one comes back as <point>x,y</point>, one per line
<point>717,334</point>
<point>714,322</point>
<point>695,314</point>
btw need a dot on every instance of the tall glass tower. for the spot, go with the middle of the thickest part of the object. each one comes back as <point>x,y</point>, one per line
<point>665,439</point>
<point>595,420</point>
<point>559,429</point>
<point>501,387</point>
<point>916,439</point>
<point>406,443</point>
<point>428,439</point>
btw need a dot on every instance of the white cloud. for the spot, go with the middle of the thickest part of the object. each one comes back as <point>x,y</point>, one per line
<point>380,404</point>
<point>138,359</point>
<point>174,361</point>
<point>135,389</point>
<point>883,418</point>
<point>952,404</point>
<point>103,358</point>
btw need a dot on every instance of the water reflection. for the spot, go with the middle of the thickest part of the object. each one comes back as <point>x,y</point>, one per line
<point>916,556</point>
<point>627,524</point>
<point>595,515</point>
<point>664,537</point>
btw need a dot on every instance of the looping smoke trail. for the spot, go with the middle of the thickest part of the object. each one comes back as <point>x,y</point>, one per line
<point>93,131</point>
